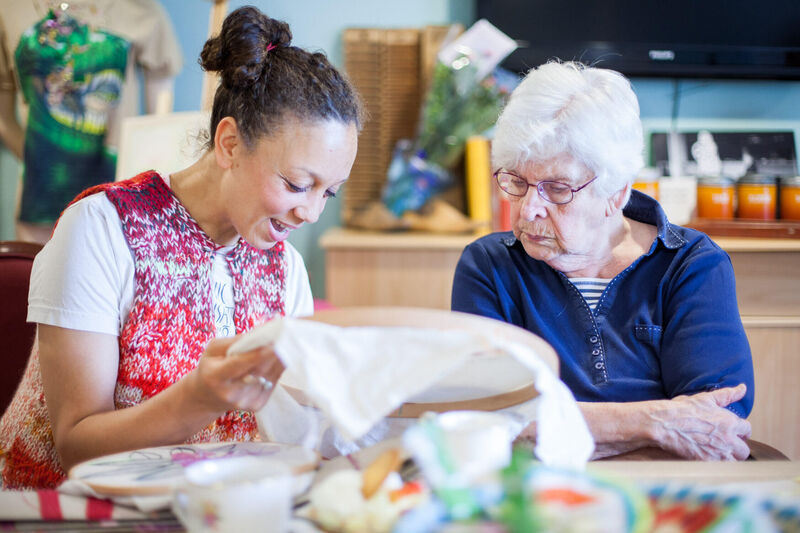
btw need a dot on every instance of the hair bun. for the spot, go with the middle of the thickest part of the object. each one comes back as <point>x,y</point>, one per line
<point>241,51</point>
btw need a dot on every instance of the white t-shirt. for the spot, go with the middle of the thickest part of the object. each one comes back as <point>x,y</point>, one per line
<point>83,278</point>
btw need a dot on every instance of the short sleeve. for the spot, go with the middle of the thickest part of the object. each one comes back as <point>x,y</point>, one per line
<point>80,278</point>
<point>299,300</point>
<point>156,46</point>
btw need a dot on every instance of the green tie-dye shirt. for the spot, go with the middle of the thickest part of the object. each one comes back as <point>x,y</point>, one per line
<point>71,76</point>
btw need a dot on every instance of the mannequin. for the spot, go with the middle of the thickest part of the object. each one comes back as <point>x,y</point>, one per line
<point>70,68</point>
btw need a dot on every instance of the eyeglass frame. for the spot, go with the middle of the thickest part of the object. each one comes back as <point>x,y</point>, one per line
<point>538,186</point>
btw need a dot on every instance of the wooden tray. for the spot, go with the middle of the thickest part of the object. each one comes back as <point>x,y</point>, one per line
<point>780,229</point>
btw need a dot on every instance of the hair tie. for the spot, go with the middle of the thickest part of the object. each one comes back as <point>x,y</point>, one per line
<point>271,46</point>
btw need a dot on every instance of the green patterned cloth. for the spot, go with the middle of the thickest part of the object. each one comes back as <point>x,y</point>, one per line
<point>71,76</point>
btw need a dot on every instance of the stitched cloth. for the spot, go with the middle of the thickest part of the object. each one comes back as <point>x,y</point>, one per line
<point>168,328</point>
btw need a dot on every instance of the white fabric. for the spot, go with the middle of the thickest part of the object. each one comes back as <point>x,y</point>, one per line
<point>83,278</point>
<point>358,375</point>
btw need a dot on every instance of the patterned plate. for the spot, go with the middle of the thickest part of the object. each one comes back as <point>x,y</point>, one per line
<point>158,470</point>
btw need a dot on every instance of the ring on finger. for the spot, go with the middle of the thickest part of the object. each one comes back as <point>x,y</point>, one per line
<point>261,380</point>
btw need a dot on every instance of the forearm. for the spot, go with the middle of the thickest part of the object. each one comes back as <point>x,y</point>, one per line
<point>11,133</point>
<point>170,417</point>
<point>159,94</point>
<point>618,428</point>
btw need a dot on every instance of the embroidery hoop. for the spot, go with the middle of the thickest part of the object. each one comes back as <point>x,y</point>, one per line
<point>466,388</point>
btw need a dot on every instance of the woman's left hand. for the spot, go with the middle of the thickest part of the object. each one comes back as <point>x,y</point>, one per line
<point>700,426</point>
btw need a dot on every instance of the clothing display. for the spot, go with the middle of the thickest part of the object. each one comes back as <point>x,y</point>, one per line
<point>75,69</point>
<point>665,326</point>
<point>168,323</point>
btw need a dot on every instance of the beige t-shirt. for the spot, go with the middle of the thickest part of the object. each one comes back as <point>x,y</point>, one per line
<point>144,23</point>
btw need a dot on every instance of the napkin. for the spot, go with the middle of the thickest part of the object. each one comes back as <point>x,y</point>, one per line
<point>72,504</point>
<point>142,503</point>
<point>356,376</point>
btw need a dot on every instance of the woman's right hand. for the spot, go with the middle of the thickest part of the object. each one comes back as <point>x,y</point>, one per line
<point>242,381</point>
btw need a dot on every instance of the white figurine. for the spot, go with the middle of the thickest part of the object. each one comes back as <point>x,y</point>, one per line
<point>704,151</point>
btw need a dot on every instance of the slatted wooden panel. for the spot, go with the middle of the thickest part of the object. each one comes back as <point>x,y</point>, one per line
<point>384,66</point>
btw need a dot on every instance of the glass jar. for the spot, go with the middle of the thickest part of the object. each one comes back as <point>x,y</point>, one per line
<point>716,197</point>
<point>757,196</point>
<point>790,198</point>
<point>647,181</point>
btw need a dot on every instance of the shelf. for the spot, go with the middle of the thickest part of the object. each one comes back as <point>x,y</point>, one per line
<point>776,229</point>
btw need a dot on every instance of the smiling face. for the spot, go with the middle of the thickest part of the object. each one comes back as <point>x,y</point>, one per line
<point>286,179</point>
<point>567,237</point>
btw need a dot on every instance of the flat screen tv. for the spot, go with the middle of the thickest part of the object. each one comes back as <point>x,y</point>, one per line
<point>755,39</point>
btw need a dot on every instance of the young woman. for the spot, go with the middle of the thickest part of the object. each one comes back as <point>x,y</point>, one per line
<point>145,281</point>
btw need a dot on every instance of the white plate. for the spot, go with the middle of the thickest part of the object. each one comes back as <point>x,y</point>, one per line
<point>159,470</point>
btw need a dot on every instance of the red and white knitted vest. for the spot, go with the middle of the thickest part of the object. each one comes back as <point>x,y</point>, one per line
<point>169,325</point>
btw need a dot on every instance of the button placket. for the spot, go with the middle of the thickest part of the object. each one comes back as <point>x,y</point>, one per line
<point>597,361</point>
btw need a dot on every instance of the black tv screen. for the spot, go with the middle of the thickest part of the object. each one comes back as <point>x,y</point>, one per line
<point>757,39</point>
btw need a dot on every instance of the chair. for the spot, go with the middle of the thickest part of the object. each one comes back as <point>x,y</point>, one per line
<point>760,451</point>
<point>16,260</point>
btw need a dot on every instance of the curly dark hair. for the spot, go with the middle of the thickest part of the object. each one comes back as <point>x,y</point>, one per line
<point>264,79</point>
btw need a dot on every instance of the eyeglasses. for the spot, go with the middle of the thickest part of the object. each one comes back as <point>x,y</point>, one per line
<point>555,192</point>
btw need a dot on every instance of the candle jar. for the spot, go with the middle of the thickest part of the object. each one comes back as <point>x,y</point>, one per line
<point>716,197</point>
<point>790,198</point>
<point>757,196</point>
<point>649,187</point>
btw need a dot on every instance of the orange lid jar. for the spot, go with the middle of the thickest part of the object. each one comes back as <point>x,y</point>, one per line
<point>716,197</point>
<point>757,196</point>
<point>790,198</point>
<point>649,187</point>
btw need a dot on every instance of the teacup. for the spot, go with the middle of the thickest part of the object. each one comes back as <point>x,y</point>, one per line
<point>235,494</point>
<point>460,447</point>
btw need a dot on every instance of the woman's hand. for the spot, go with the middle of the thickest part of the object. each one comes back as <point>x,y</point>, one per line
<point>687,427</point>
<point>242,381</point>
<point>700,427</point>
<point>79,374</point>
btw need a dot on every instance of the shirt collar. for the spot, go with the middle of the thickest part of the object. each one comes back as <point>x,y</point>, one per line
<point>644,208</point>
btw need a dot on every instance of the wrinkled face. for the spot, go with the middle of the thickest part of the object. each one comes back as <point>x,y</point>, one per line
<point>563,236</point>
<point>286,180</point>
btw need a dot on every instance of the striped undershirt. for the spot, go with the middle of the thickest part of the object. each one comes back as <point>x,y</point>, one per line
<point>590,289</point>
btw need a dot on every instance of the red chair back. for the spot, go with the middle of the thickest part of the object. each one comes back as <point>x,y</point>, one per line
<point>16,260</point>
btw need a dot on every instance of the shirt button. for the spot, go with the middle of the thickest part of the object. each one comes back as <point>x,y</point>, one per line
<point>593,339</point>
<point>598,365</point>
<point>595,352</point>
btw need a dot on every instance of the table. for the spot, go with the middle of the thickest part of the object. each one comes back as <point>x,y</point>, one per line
<point>768,477</point>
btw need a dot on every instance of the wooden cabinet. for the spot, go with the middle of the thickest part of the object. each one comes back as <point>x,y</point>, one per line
<point>407,269</point>
<point>768,290</point>
<point>395,269</point>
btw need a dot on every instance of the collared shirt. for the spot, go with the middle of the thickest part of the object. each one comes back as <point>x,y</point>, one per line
<point>665,326</point>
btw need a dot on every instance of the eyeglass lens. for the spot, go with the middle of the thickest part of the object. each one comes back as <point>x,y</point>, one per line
<point>552,191</point>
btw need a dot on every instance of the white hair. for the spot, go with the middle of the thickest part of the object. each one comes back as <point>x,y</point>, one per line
<point>589,113</point>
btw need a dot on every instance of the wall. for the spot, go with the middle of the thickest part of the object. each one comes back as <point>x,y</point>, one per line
<point>318,24</point>
<point>720,105</point>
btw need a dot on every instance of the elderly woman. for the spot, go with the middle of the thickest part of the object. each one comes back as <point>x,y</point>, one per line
<point>642,313</point>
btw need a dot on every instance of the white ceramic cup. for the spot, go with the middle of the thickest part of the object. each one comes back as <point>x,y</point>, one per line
<point>460,447</point>
<point>235,494</point>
